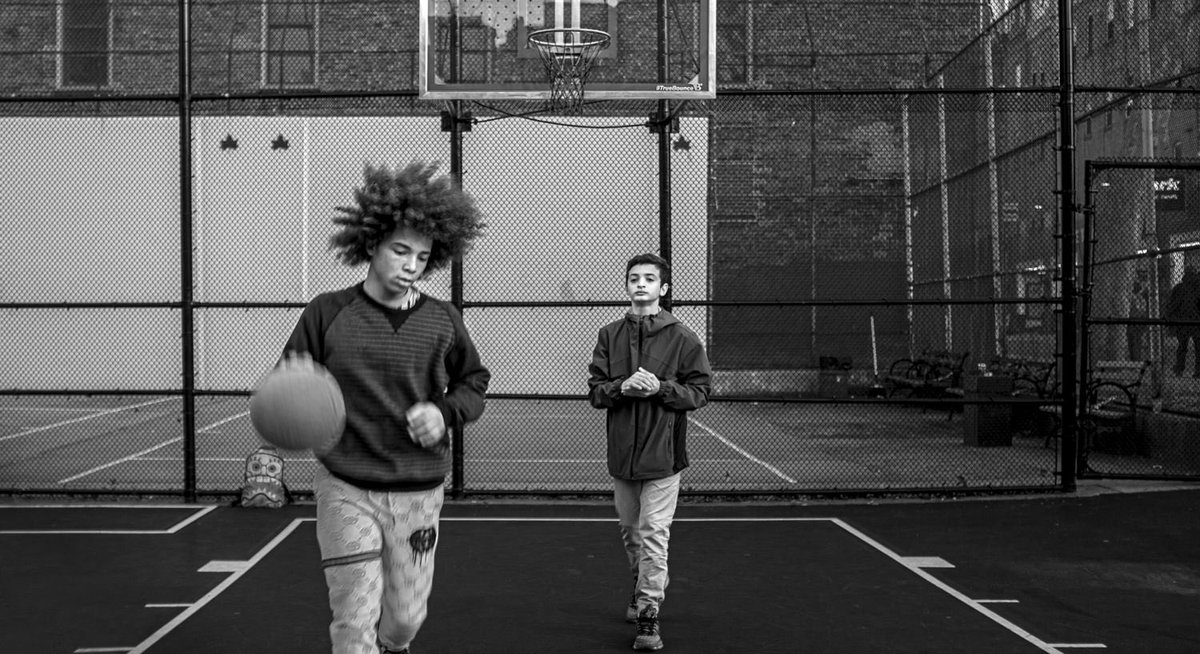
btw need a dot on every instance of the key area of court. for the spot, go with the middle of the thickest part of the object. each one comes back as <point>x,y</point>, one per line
<point>1112,572</point>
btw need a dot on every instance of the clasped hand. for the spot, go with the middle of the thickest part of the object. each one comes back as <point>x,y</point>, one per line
<point>642,383</point>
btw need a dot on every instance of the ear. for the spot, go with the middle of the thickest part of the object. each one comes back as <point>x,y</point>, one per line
<point>665,288</point>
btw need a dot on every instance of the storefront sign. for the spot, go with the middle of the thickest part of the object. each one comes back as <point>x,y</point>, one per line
<point>1168,193</point>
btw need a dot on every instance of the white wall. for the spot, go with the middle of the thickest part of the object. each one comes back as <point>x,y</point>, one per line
<point>93,216</point>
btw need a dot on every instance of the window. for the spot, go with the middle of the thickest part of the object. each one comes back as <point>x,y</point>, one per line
<point>85,43</point>
<point>290,43</point>
<point>1108,120</point>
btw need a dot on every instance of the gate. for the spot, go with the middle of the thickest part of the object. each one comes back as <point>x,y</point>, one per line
<point>1140,272</point>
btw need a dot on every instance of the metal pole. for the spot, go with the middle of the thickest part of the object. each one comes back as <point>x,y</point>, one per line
<point>664,151</point>
<point>1066,118</point>
<point>185,253</point>
<point>457,452</point>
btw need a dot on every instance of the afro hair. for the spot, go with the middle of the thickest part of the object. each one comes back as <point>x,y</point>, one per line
<point>408,197</point>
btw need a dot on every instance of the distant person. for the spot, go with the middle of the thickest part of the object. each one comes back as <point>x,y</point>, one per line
<point>1184,305</point>
<point>1139,308</point>
<point>648,370</point>
<point>410,377</point>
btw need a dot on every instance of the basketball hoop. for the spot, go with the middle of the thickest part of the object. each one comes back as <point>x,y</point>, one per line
<point>568,54</point>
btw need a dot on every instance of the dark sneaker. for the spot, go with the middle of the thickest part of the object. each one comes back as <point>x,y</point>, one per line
<point>648,639</point>
<point>631,609</point>
<point>385,650</point>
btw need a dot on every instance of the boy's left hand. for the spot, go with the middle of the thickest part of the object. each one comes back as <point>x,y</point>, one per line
<point>425,424</point>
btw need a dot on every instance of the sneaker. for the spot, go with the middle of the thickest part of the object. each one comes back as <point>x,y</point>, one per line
<point>631,609</point>
<point>648,638</point>
<point>384,650</point>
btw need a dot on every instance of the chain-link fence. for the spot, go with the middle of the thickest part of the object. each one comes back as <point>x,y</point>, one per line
<point>867,213</point>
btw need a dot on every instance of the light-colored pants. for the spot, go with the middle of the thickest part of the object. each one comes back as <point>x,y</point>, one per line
<point>645,510</point>
<point>377,549</point>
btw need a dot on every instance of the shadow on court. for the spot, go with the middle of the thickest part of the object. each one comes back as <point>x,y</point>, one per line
<point>1052,574</point>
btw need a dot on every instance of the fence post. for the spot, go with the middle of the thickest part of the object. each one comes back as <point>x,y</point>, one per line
<point>186,298</point>
<point>1070,326</point>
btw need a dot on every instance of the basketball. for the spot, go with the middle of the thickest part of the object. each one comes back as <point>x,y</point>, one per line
<point>298,406</point>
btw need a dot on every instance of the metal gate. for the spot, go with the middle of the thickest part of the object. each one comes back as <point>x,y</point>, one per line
<point>1140,315</point>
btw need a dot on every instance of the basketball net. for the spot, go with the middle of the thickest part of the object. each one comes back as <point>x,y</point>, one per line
<point>568,55</point>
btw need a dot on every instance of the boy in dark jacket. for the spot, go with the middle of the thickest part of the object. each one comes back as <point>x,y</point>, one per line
<point>647,371</point>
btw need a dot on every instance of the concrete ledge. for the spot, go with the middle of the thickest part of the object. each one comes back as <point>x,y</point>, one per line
<point>791,382</point>
<point>1170,437</point>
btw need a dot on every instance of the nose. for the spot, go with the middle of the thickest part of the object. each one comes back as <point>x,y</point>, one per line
<point>410,263</point>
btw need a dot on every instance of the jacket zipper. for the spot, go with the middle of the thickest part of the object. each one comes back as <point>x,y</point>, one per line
<point>636,413</point>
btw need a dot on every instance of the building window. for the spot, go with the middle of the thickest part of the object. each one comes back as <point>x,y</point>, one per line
<point>85,43</point>
<point>1108,120</point>
<point>290,43</point>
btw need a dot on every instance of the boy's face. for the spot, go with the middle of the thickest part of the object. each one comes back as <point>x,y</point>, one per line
<point>644,285</point>
<point>398,261</point>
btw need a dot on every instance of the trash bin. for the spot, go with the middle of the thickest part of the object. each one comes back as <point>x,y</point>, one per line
<point>833,378</point>
<point>987,425</point>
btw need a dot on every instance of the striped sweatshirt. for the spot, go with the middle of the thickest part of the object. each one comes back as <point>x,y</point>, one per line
<point>386,360</point>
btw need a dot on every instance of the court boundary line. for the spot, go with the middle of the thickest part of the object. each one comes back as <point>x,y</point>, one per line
<point>63,423</point>
<point>197,513</point>
<point>136,455</point>
<point>733,446</point>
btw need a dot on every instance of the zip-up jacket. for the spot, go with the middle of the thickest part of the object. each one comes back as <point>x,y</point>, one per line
<point>647,436</point>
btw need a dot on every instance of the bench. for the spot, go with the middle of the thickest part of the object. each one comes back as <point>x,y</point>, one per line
<point>1031,377</point>
<point>929,375</point>
<point>1109,423</point>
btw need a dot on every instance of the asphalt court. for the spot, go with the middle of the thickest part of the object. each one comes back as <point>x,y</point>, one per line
<point>136,443</point>
<point>1026,575</point>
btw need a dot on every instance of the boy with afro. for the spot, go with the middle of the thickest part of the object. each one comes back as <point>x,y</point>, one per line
<point>411,377</point>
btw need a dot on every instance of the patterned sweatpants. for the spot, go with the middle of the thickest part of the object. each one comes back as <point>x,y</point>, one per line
<point>377,550</point>
<point>645,510</point>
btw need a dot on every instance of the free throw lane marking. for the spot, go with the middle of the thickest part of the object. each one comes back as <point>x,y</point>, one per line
<point>221,587</point>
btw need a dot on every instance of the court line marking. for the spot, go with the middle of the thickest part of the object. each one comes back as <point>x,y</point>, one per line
<point>83,418</point>
<point>136,455</point>
<point>98,650</point>
<point>219,588</point>
<point>730,444</point>
<point>937,583</point>
<point>119,461</point>
<point>199,512</point>
<point>44,409</point>
<point>948,589</point>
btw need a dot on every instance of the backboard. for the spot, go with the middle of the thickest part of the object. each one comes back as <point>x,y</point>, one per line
<point>479,49</point>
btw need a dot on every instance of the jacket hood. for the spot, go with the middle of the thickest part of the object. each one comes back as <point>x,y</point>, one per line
<point>652,324</point>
